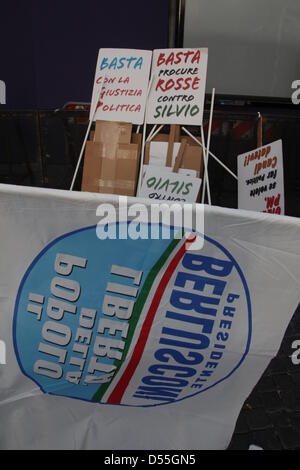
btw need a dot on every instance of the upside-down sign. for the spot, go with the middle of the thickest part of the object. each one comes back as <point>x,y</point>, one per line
<point>150,343</point>
<point>260,179</point>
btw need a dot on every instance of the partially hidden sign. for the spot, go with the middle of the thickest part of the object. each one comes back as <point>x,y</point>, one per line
<point>178,88</point>
<point>260,179</point>
<point>121,78</point>
<point>161,183</point>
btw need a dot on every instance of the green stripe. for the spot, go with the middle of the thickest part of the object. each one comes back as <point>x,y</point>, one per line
<point>137,310</point>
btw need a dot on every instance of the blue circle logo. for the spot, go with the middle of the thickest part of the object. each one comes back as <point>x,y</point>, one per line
<point>131,322</point>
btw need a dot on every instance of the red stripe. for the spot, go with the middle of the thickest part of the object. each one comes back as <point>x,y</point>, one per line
<point>119,390</point>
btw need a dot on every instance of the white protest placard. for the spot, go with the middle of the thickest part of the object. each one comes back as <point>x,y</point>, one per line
<point>161,183</point>
<point>178,89</point>
<point>260,179</point>
<point>123,75</point>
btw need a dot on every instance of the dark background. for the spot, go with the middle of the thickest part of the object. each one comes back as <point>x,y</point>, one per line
<point>49,49</point>
<point>48,53</point>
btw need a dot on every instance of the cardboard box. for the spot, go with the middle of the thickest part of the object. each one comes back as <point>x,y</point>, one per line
<point>113,132</point>
<point>111,165</point>
<point>91,167</point>
<point>137,139</point>
<point>193,159</point>
<point>128,165</point>
<point>120,175</point>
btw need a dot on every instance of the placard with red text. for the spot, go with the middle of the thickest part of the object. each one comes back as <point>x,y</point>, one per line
<point>178,88</point>
<point>123,77</point>
<point>260,179</point>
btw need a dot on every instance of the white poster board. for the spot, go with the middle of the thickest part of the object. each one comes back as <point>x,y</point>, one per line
<point>260,179</point>
<point>158,153</point>
<point>178,90</point>
<point>161,183</point>
<point>123,75</point>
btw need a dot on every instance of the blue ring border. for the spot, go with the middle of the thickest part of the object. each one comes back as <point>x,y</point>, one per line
<point>65,235</point>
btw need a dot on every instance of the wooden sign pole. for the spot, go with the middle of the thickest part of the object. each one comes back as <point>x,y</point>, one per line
<point>172,136</point>
<point>260,131</point>
<point>179,157</point>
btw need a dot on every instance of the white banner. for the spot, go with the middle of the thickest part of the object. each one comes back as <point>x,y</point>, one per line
<point>121,78</point>
<point>135,343</point>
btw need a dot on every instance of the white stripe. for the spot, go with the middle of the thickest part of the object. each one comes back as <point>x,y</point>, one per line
<point>141,321</point>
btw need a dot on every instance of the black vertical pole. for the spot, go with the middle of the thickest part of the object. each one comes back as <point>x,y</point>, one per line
<point>176,23</point>
<point>180,23</point>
